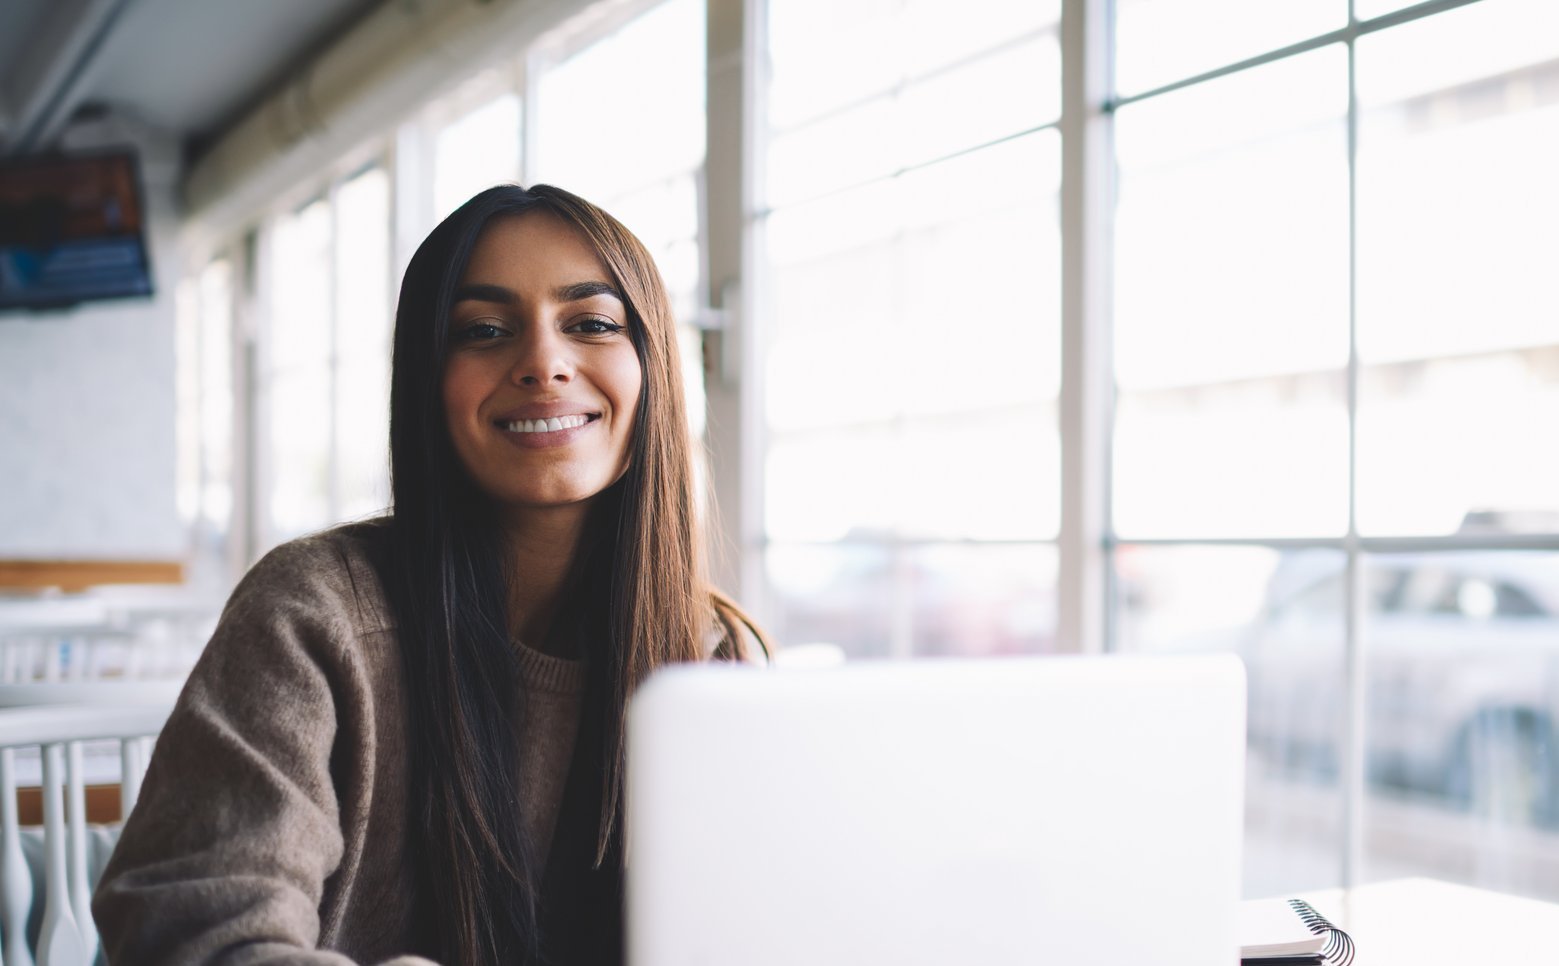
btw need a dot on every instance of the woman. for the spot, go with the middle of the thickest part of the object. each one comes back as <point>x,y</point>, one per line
<point>405,738</point>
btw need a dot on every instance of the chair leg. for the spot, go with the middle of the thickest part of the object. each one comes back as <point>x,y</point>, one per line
<point>59,942</point>
<point>76,823</point>
<point>15,881</point>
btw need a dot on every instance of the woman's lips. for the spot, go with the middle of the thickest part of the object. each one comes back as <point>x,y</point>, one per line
<point>547,425</point>
<point>547,433</point>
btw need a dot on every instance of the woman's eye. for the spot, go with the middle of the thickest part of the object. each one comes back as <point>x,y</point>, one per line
<point>596,327</point>
<point>479,332</point>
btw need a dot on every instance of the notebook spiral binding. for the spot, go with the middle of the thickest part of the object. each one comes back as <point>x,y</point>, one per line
<point>1339,945</point>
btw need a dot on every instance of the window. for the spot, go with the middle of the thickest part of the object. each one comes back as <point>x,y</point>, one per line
<point>1231,305</point>
<point>205,400</point>
<point>1458,323</point>
<point>324,386</point>
<point>364,314</point>
<point>1334,348</point>
<point>476,139</point>
<point>910,327</point>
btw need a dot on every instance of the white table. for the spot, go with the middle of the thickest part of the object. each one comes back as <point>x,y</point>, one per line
<point>1425,922</point>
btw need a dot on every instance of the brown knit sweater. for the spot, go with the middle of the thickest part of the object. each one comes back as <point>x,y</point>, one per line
<point>271,826</point>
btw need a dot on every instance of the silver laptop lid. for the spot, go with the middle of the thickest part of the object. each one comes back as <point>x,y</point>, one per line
<point>1037,810</point>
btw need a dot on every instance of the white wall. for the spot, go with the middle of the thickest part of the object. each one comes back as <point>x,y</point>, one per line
<point>87,449</point>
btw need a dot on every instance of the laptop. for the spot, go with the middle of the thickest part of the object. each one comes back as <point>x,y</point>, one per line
<point>1067,810</point>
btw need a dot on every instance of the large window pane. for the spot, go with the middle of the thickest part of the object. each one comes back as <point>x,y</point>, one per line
<point>298,449</point>
<point>876,600</point>
<point>812,71</point>
<point>840,594</point>
<point>987,476</point>
<point>938,80</point>
<point>1458,316</point>
<point>835,152</point>
<point>977,601</point>
<point>1233,227</point>
<point>299,333</point>
<point>477,150</point>
<point>973,103</point>
<point>1231,306</point>
<point>216,406</point>
<point>187,377</point>
<point>1161,41</point>
<point>628,110</point>
<point>1463,673</point>
<point>911,306</point>
<point>927,118</point>
<point>934,292</point>
<point>296,389</point>
<point>363,326</point>
<point>1266,457</point>
<point>1283,614</point>
<point>835,485</point>
<point>362,439</point>
<point>871,46</point>
<point>936,335</point>
<point>1461,445</point>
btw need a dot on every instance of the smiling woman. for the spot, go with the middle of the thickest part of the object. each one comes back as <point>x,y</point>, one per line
<point>405,740</point>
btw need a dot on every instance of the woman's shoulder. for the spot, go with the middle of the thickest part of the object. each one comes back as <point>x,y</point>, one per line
<point>333,574</point>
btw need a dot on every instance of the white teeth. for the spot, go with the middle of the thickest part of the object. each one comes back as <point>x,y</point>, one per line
<point>546,425</point>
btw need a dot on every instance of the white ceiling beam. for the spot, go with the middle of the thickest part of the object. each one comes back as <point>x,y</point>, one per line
<point>360,86</point>
<point>46,82</point>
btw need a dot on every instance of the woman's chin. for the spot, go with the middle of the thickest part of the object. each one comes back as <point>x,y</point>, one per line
<point>548,500</point>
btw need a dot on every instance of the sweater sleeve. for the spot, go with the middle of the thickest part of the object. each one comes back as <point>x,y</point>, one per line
<point>225,857</point>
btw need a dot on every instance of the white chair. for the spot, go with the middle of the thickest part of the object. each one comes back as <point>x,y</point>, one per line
<point>127,712</point>
<point>36,635</point>
<point>110,632</point>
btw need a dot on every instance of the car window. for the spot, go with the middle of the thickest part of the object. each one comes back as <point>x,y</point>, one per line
<point>1512,601</point>
<point>1480,598</point>
<point>1325,599</point>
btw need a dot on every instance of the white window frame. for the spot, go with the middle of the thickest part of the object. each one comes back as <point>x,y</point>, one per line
<point>1094,356</point>
<point>1087,543</point>
<point>253,279</point>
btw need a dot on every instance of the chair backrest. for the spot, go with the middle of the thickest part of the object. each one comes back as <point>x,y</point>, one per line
<point>126,713</point>
<point>102,635</point>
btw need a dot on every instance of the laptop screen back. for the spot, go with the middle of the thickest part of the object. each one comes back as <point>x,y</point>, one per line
<point>1036,810</point>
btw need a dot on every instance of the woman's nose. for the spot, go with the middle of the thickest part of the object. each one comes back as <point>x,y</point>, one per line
<point>542,361</point>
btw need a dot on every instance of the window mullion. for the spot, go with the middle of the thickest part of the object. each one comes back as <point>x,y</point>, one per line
<point>1353,776</point>
<point>333,372</point>
<point>1086,216</point>
<point>732,364</point>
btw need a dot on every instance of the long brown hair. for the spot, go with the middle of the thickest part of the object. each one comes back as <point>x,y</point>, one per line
<point>640,600</point>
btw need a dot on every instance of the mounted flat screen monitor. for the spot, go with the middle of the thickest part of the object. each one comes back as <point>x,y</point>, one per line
<point>72,229</point>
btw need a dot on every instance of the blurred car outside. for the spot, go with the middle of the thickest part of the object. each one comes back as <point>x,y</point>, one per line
<point>1461,676</point>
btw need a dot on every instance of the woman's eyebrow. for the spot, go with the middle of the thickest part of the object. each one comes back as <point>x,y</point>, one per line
<point>483,292</point>
<point>575,292</point>
<point>579,291</point>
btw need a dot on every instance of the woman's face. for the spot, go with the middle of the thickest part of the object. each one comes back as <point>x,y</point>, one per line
<point>542,380</point>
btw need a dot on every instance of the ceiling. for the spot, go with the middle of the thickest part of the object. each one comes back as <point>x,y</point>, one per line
<point>188,68</point>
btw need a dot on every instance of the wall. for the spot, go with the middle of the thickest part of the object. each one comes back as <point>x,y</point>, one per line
<point>87,449</point>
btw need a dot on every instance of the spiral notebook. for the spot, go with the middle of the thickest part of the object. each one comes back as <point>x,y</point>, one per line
<point>1289,932</point>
